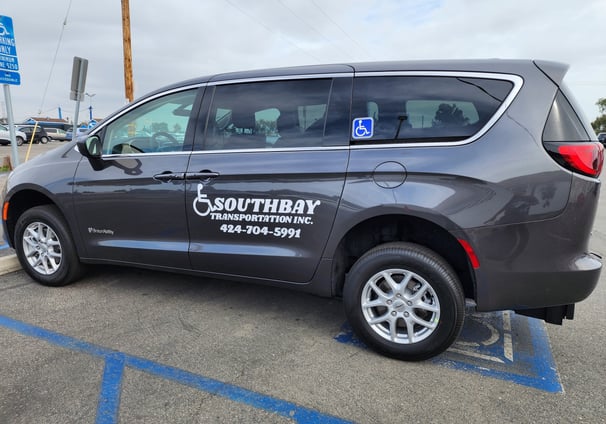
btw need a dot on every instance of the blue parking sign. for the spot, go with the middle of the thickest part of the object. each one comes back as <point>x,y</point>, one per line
<point>7,77</point>
<point>9,64</point>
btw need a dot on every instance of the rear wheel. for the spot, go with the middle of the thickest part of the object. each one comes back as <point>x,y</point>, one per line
<point>43,140</point>
<point>45,248</point>
<point>20,141</point>
<point>404,301</point>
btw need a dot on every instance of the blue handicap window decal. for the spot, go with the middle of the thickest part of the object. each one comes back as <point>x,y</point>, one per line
<point>362,128</point>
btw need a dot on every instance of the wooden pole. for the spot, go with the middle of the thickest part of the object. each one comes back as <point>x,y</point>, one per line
<point>128,60</point>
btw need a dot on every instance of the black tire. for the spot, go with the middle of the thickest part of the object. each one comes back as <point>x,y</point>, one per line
<point>20,141</point>
<point>45,247</point>
<point>43,140</point>
<point>432,293</point>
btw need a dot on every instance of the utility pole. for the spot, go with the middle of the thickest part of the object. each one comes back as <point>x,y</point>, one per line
<point>128,60</point>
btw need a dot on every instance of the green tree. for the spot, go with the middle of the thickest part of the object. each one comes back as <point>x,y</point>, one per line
<point>599,125</point>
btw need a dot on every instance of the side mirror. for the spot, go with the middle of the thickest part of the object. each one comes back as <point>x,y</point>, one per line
<point>91,147</point>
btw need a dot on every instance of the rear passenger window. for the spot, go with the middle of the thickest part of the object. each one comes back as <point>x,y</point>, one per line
<point>275,114</point>
<point>422,109</point>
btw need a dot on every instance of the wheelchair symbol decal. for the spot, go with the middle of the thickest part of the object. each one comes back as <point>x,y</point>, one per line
<point>207,206</point>
<point>362,128</point>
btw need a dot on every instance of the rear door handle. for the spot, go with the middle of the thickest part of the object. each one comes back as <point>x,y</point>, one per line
<point>168,176</point>
<point>202,175</point>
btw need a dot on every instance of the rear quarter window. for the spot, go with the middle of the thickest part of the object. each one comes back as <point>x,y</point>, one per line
<point>427,108</point>
<point>563,123</point>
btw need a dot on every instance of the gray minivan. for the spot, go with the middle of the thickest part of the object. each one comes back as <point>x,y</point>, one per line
<point>407,188</point>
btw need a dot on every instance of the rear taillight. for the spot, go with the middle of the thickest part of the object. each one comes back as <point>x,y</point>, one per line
<point>568,140</point>
<point>583,158</point>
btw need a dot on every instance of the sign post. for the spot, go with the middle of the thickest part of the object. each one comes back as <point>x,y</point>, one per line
<point>77,88</point>
<point>9,67</point>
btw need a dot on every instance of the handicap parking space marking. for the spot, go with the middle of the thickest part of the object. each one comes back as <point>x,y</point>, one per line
<point>116,362</point>
<point>500,345</point>
<point>486,337</point>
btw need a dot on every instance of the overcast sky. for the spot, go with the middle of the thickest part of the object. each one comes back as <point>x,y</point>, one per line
<point>180,39</point>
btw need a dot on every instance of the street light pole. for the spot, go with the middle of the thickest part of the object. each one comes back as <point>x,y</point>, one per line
<point>90,106</point>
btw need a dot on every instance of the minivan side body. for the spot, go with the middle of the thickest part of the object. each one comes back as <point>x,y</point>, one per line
<point>407,188</point>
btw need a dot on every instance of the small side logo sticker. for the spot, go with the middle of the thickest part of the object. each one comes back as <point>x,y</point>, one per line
<point>362,128</point>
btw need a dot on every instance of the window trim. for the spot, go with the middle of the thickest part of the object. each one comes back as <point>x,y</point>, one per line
<point>283,78</point>
<point>327,76</point>
<point>99,129</point>
<point>516,80</point>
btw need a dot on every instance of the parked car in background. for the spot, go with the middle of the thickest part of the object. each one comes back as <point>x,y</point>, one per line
<point>5,137</point>
<point>57,134</point>
<point>80,132</point>
<point>40,135</point>
<point>602,138</point>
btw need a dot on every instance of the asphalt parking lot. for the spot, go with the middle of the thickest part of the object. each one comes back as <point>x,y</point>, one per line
<point>132,346</point>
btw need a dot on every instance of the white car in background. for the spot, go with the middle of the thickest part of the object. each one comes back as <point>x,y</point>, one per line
<point>5,137</point>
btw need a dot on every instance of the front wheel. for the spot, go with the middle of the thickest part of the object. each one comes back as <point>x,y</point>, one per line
<point>404,301</point>
<point>43,140</point>
<point>20,141</point>
<point>45,248</point>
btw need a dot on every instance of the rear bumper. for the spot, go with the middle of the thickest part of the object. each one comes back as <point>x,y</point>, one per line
<point>539,264</point>
<point>552,315</point>
<point>540,289</point>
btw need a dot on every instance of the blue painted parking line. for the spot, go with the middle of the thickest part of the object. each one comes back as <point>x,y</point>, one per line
<point>500,345</point>
<point>113,373</point>
<point>109,398</point>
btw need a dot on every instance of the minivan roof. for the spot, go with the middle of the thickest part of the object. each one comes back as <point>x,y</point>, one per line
<point>554,70</point>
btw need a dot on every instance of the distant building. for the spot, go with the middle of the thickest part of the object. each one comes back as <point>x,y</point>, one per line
<point>48,122</point>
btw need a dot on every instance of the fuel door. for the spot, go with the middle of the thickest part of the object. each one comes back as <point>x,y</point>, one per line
<point>389,174</point>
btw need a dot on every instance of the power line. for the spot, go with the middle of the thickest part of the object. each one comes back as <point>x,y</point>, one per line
<point>308,24</point>
<point>327,16</point>
<point>254,19</point>
<point>314,29</point>
<point>50,74</point>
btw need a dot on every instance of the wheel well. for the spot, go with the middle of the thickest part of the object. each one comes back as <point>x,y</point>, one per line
<point>19,203</point>
<point>384,229</point>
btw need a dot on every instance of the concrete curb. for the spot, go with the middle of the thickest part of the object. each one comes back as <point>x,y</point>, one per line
<point>9,264</point>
